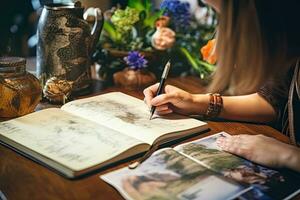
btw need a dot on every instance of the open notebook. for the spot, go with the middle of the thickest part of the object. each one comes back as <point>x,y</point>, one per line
<point>87,134</point>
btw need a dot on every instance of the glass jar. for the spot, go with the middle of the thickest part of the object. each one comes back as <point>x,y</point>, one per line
<point>20,91</point>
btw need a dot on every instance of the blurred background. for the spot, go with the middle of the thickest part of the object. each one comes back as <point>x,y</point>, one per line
<point>19,18</point>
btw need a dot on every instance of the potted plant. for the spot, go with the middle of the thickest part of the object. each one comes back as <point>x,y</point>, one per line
<point>135,75</point>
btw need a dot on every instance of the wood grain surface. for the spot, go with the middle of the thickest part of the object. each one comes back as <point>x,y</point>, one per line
<point>22,178</point>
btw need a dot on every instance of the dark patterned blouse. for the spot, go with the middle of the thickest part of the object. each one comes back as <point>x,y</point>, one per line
<point>284,96</point>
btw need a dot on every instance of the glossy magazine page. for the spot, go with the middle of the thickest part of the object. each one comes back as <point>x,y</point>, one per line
<point>200,170</point>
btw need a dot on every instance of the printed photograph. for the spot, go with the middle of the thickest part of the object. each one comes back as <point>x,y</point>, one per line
<point>170,175</point>
<point>271,183</point>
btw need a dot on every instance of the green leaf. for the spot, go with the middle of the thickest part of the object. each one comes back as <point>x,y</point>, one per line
<point>201,67</point>
<point>142,15</point>
<point>150,19</point>
<point>148,6</point>
<point>109,28</point>
<point>208,67</point>
<point>111,31</point>
<point>189,57</point>
<point>137,4</point>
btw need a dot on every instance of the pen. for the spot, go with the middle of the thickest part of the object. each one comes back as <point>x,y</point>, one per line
<point>154,146</point>
<point>161,85</point>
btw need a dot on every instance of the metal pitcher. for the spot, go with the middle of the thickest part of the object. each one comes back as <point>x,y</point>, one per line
<point>66,42</point>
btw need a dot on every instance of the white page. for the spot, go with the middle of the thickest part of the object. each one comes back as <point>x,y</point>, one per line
<point>129,115</point>
<point>72,141</point>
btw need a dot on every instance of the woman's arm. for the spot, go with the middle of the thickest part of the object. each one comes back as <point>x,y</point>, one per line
<point>263,150</point>
<point>251,108</point>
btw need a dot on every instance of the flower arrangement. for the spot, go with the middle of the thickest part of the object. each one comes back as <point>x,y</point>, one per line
<point>137,35</point>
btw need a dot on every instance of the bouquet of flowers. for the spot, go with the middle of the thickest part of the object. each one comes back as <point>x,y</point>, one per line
<point>176,30</point>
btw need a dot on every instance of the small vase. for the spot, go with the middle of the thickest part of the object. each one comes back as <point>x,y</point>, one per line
<point>134,79</point>
<point>20,91</point>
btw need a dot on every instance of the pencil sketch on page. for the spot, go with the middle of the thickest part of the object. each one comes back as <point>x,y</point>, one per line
<point>73,141</point>
<point>111,110</point>
<point>129,115</point>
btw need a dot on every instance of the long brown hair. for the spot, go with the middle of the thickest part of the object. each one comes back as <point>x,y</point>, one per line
<point>256,40</point>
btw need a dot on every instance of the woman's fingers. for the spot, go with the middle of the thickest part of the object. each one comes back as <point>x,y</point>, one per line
<point>149,93</point>
<point>164,112</point>
<point>257,148</point>
<point>178,100</point>
<point>164,99</point>
<point>162,108</point>
<point>171,88</point>
<point>236,144</point>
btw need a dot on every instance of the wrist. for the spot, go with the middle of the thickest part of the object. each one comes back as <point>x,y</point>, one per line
<point>215,105</point>
<point>290,158</point>
<point>200,102</point>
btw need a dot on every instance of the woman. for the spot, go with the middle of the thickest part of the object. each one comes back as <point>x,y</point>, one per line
<point>258,47</point>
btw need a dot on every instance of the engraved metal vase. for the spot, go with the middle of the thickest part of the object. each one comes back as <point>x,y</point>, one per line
<point>66,42</point>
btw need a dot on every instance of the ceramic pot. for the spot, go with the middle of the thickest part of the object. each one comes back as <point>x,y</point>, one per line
<point>20,91</point>
<point>134,79</point>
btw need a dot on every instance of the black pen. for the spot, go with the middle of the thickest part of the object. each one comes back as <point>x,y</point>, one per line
<point>161,85</point>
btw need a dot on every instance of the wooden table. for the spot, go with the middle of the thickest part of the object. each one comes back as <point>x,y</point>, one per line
<point>21,178</point>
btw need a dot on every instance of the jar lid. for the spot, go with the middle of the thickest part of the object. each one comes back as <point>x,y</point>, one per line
<point>12,66</point>
<point>12,62</point>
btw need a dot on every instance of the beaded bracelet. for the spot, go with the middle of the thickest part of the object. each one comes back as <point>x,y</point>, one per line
<point>215,105</point>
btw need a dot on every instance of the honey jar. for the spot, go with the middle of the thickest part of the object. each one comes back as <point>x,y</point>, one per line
<point>20,91</point>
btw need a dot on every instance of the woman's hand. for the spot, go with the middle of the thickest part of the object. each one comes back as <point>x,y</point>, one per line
<point>262,150</point>
<point>175,100</point>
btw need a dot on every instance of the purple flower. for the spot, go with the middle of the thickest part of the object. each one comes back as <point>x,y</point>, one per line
<point>135,60</point>
<point>178,11</point>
